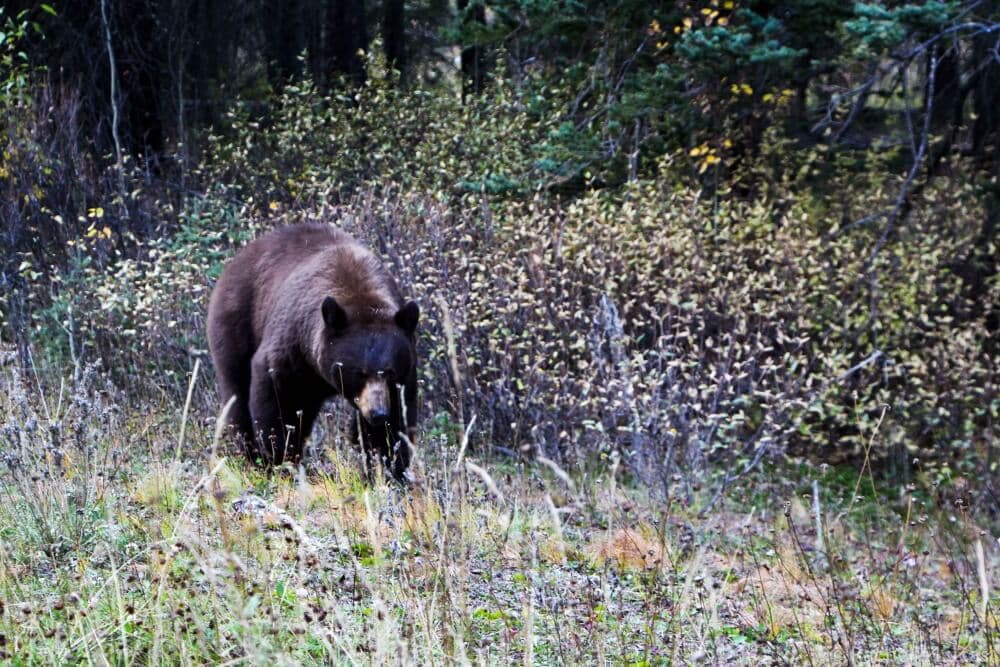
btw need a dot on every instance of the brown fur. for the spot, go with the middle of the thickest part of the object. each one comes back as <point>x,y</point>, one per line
<point>304,313</point>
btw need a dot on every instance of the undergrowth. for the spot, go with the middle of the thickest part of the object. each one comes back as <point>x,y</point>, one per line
<point>135,537</point>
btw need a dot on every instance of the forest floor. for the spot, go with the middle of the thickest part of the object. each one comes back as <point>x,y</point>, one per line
<point>136,537</point>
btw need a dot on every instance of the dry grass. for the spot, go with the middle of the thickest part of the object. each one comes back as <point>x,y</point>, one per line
<point>146,559</point>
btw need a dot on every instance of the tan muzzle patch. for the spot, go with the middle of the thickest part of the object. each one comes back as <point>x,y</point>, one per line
<point>374,400</point>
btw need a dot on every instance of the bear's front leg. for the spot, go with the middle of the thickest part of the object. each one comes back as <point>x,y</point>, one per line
<point>374,443</point>
<point>265,411</point>
<point>403,422</point>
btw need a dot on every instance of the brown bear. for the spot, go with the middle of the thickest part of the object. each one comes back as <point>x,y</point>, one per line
<point>304,313</point>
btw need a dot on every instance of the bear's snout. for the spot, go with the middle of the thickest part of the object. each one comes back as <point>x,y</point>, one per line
<point>373,403</point>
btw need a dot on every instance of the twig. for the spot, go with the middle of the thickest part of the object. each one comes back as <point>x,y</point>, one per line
<point>821,557</point>
<point>187,408</point>
<point>918,160</point>
<point>465,444</point>
<point>487,480</point>
<point>113,72</point>
<point>984,582</point>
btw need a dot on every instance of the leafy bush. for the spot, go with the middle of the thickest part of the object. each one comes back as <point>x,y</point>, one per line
<point>66,221</point>
<point>314,147</point>
<point>649,322</point>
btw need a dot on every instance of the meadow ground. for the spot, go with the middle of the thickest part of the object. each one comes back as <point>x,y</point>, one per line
<point>136,536</point>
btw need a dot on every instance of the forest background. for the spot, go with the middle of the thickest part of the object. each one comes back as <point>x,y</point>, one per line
<point>709,251</point>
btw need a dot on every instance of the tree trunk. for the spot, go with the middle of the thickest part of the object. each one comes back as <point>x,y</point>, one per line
<point>346,35</point>
<point>285,35</point>
<point>472,54</point>
<point>394,34</point>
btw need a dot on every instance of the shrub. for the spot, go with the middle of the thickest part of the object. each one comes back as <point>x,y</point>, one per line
<point>314,148</point>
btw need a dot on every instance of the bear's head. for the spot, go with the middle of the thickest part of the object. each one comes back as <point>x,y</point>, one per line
<point>368,360</point>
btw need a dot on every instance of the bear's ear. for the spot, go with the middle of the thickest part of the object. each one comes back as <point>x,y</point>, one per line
<point>407,317</point>
<point>334,316</point>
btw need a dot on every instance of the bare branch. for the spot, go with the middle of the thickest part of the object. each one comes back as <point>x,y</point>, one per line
<point>918,161</point>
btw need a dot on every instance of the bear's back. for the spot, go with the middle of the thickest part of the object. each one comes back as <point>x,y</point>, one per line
<point>283,250</point>
<point>294,268</point>
<point>249,287</point>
